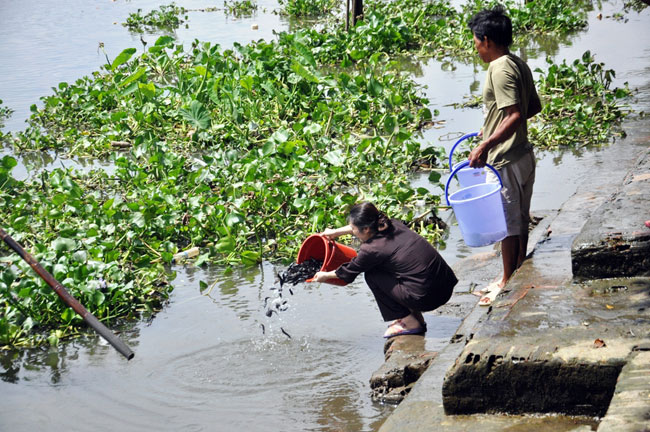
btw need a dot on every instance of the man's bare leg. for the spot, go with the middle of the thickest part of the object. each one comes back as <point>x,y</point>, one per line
<point>510,256</point>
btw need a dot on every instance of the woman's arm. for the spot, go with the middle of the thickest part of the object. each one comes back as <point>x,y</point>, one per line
<point>337,232</point>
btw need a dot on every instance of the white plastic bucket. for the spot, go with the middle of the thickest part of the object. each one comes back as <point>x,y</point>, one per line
<point>478,210</point>
<point>470,176</point>
<point>467,176</point>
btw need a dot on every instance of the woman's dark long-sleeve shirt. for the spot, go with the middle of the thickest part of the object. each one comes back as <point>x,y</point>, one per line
<point>401,252</point>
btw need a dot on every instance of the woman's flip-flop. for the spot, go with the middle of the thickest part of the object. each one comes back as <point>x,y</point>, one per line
<point>398,329</point>
<point>488,298</point>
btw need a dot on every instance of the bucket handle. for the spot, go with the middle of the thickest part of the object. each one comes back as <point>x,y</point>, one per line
<point>461,139</point>
<point>458,168</point>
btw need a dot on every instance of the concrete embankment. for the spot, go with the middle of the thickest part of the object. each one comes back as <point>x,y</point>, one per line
<point>566,345</point>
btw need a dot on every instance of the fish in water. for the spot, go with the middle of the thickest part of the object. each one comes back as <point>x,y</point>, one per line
<point>263,329</point>
<point>286,334</point>
<point>297,273</point>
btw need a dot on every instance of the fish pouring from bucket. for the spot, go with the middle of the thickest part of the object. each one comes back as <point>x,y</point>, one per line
<point>294,274</point>
<point>297,273</point>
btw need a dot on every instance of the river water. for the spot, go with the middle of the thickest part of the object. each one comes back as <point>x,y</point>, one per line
<point>214,361</point>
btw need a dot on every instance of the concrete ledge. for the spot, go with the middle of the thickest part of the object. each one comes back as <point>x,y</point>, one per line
<point>406,360</point>
<point>516,379</point>
<point>614,241</point>
<point>629,410</point>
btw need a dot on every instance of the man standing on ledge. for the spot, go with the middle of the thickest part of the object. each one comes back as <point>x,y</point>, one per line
<point>509,99</point>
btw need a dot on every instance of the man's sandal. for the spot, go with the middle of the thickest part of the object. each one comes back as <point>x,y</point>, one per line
<point>488,298</point>
<point>492,286</point>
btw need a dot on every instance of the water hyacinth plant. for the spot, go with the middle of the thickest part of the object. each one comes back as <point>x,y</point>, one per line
<point>306,8</point>
<point>166,17</point>
<point>241,152</point>
<point>5,113</point>
<point>579,108</point>
<point>240,8</point>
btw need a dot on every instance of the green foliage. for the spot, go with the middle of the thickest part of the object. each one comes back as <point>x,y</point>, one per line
<point>539,16</point>
<point>242,152</point>
<point>5,113</point>
<point>89,243</point>
<point>306,8</point>
<point>580,108</point>
<point>167,17</point>
<point>240,8</point>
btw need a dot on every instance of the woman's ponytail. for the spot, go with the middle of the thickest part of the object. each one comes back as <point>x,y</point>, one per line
<point>383,222</point>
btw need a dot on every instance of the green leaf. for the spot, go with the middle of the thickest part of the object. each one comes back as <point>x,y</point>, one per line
<point>132,78</point>
<point>434,176</point>
<point>202,259</point>
<point>148,89</point>
<point>312,128</point>
<point>63,244</point>
<point>137,219</point>
<point>375,88</point>
<point>247,82</point>
<point>390,123</point>
<point>303,72</point>
<point>197,115</point>
<point>268,148</point>
<point>250,257</point>
<point>164,41</point>
<point>202,286</point>
<point>225,245</point>
<point>98,297</point>
<point>335,157</point>
<point>67,315</point>
<point>122,58</point>
<point>305,54</point>
<point>8,162</point>
<point>233,219</point>
<point>80,256</point>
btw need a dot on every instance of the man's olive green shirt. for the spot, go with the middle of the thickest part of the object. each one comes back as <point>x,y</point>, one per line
<point>508,82</point>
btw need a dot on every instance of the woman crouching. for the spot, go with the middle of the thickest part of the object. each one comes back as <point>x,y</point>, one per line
<point>404,272</point>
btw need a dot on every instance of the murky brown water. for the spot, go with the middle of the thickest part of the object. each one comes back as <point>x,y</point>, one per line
<point>205,363</point>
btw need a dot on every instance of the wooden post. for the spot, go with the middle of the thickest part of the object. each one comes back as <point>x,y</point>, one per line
<point>347,15</point>
<point>357,11</point>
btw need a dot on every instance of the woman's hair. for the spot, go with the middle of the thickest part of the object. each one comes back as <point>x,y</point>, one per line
<point>365,215</point>
<point>493,23</point>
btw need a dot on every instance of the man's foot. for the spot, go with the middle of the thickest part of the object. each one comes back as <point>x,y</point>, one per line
<point>492,286</point>
<point>488,298</point>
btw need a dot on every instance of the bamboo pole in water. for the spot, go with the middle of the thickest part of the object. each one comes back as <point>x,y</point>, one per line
<point>90,319</point>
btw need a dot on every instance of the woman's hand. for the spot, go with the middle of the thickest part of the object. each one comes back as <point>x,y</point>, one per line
<point>322,276</point>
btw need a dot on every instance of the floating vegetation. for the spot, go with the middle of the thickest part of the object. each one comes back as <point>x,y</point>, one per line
<point>241,152</point>
<point>579,107</point>
<point>83,240</point>
<point>5,113</point>
<point>307,8</point>
<point>166,17</point>
<point>634,5</point>
<point>240,8</point>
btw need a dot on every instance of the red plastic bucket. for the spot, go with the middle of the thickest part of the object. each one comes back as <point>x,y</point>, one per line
<point>332,254</point>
